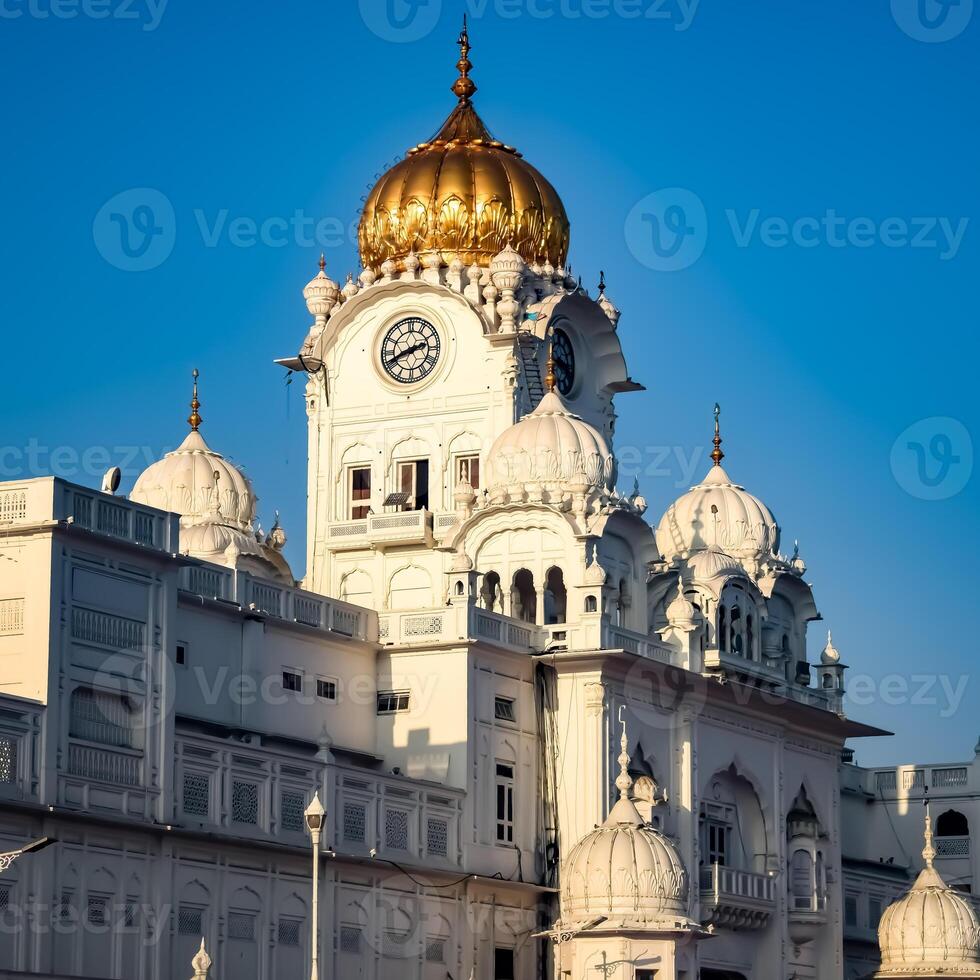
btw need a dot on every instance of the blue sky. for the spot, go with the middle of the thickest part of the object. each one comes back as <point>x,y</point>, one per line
<point>825,157</point>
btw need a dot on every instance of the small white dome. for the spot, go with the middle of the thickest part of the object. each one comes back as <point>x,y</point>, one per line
<point>830,654</point>
<point>712,564</point>
<point>720,514</point>
<point>930,931</point>
<point>554,448</point>
<point>183,482</point>
<point>625,871</point>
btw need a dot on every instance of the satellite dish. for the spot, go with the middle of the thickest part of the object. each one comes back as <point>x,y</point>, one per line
<point>111,480</point>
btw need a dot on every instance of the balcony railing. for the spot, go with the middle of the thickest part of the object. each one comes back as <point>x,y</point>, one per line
<point>279,601</point>
<point>736,899</point>
<point>395,527</point>
<point>949,778</point>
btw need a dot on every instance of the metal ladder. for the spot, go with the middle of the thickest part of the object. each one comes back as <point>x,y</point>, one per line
<point>528,345</point>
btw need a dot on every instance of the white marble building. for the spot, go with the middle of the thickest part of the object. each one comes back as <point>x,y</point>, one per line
<point>481,614</point>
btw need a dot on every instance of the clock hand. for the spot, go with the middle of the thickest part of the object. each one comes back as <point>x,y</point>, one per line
<point>408,350</point>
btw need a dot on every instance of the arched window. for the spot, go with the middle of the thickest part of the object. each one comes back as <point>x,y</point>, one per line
<point>801,879</point>
<point>591,604</point>
<point>737,642</point>
<point>491,594</point>
<point>722,629</point>
<point>952,823</point>
<point>555,596</point>
<point>109,719</point>
<point>523,599</point>
<point>460,588</point>
<point>749,638</point>
<point>828,681</point>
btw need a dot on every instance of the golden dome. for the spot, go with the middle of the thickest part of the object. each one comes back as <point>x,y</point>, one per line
<point>463,193</point>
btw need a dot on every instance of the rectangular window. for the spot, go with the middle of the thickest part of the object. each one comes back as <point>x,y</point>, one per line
<point>503,964</point>
<point>355,822</point>
<point>850,910</point>
<point>874,912</point>
<point>241,926</point>
<point>181,656</point>
<point>503,709</point>
<point>437,837</point>
<point>468,469</point>
<point>435,951</point>
<point>245,803</point>
<point>292,681</point>
<point>292,804</point>
<point>360,492</point>
<point>326,690</point>
<point>396,830</point>
<point>197,794</point>
<point>350,940</point>
<point>289,932</point>
<point>717,837</point>
<point>413,480</point>
<point>505,803</point>
<point>391,701</point>
<point>190,921</point>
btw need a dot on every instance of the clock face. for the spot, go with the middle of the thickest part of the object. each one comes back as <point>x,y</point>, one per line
<point>410,350</point>
<point>564,357</point>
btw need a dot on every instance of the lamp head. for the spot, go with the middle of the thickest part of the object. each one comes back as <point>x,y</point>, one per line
<point>314,814</point>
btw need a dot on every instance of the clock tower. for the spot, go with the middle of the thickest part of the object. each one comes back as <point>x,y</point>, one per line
<point>440,344</point>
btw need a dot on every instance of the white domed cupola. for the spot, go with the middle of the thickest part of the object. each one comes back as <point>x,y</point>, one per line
<point>216,504</point>
<point>196,482</point>
<point>625,874</point>
<point>932,931</point>
<point>718,515</point>
<point>549,455</point>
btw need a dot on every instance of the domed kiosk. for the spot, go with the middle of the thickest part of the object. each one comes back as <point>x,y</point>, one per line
<point>932,931</point>
<point>625,897</point>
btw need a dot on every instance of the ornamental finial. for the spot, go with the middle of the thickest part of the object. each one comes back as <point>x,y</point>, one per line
<point>201,963</point>
<point>549,379</point>
<point>464,86</point>
<point>323,262</point>
<point>623,781</point>
<point>194,420</point>
<point>602,283</point>
<point>928,852</point>
<point>716,454</point>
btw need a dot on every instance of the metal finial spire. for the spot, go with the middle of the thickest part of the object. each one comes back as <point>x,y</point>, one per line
<point>549,379</point>
<point>194,420</point>
<point>323,262</point>
<point>464,86</point>
<point>623,781</point>
<point>716,454</point>
<point>928,852</point>
<point>602,283</point>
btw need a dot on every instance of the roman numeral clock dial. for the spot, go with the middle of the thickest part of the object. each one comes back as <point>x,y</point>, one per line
<point>410,350</point>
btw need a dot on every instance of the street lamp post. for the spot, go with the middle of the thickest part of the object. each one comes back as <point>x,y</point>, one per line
<point>6,860</point>
<point>314,821</point>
